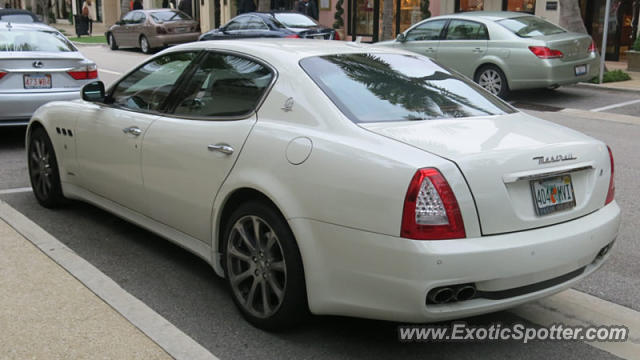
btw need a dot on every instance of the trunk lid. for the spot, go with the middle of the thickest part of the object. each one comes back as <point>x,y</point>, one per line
<point>498,157</point>
<point>23,63</point>
<point>574,46</point>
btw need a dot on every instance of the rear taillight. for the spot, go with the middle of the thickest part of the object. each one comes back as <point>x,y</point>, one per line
<point>544,52</point>
<point>431,210</point>
<point>292,36</point>
<point>611,194</point>
<point>161,30</point>
<point>336,36</point>
<point>2,74</point>
<point>84,73</point>
<point>592,47</point>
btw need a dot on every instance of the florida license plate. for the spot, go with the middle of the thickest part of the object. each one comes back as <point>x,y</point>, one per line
<point>552,194</point>
<point>37,81</point>
<point>581,70</point>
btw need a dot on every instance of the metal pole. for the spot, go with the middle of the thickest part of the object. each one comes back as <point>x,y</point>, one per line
<point>605,33</point>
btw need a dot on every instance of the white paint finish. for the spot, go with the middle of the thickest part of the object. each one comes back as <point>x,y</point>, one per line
<point>299,150</point>
<point>176,343</point>
<point>614,106</point>
<point>575,308</point>
<point>110,72</point>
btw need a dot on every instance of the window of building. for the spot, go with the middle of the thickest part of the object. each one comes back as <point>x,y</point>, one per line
<point>528,6</point>
<point>469,5</point>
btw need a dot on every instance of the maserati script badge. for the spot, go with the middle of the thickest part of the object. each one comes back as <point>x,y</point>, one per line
<point>556,158</point>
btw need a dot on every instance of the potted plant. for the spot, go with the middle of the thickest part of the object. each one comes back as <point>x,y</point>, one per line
<point>338,24</point>
<point>633,56</point>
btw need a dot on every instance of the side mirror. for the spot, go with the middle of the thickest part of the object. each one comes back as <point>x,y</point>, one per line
<point>93,92</point>
<point>401,37</point>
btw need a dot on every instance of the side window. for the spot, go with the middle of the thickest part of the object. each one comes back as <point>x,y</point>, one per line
<point>255,23</point>
<point>430,30</point>
<point>466,30</point>
<point>237,24</point>
<point>139,18</point>
<point>224,85</point>
<point>147,88</point>
<point>128,17</point>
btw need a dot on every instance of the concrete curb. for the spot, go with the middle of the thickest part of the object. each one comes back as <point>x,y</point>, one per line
<point>605,87</point>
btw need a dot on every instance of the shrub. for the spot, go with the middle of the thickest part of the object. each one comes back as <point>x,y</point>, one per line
<point>612,76</point>
<point>636,44</point>
<point>339,23</point>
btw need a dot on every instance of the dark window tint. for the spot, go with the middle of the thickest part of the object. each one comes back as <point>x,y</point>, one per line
<point>529,26</point>
<point>398,87</point>
<point>17,18</point>
<point>162,16</point>
<point>255,23</point>
<point>224,85</point>
<point>466,30</point>
<point>429,30</point>
<point>26,40</point>
<point>237,24</point>
<point>128,17</point>
<point>147,88</point>
<point>139,17</point>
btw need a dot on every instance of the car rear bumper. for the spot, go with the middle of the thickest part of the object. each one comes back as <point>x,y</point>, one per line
<point>356,273</point>
<point>17,108</point>
<point>554,72</point>
<point>172,39</point>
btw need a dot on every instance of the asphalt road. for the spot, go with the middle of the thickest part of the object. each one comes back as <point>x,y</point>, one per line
<point>185,290</point>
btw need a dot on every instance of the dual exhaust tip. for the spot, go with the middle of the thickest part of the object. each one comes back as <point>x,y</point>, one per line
<point>446,294</point>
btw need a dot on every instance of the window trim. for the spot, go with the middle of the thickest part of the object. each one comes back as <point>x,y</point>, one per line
<point>445,31</point>
<point>442,31</point>
<point>170,111</point>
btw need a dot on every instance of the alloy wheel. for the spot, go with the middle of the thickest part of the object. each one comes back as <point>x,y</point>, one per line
<point>491,81</point>
<point>256,266</point>
<point>41,168</point>
<point>144,45</point>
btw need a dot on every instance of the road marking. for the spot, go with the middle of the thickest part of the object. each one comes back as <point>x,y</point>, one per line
<point>175,342</point>
<point>613,106</point>
<point>576,308</point>
<point>110,71</point>
<point>15,190</point>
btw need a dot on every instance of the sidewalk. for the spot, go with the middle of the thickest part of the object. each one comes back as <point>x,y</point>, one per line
<point>45,313</point>
<point>629,85</point>
<point>70,30</point>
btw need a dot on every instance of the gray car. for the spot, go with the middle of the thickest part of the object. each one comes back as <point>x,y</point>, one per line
<point>503,51</point>
<point>37,65</point>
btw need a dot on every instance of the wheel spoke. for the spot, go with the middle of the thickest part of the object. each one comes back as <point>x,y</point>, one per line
<point>275,288</point>
<point>243,235</point>
<point>256,231</point>
<point>252,293</point>
<point>233,251</point>
<point>236,279</point>
<point>277,266</point>
<point>271,240</point>
<point>265,298</point>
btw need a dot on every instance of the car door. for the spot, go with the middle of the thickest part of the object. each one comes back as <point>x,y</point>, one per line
<point>188,153</point>
<point>120,31</point>
<point>424,38</point>
<point>136,28</point>
<point>109,137</point>
<point>463,46</point>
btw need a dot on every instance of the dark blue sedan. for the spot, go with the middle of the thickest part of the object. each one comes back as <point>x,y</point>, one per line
<point>271,25</point>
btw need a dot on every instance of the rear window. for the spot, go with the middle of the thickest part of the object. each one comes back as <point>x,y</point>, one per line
<point>295,20</point>
<point>530,26</point>
<point>34,40</point>
<point>397,87</point>
<point>162,16</point>
<point>17,18</point>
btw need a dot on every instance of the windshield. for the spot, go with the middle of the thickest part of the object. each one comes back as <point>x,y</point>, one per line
<point>530,26</point>
<point>17,18</point>
<point>398,87</point>
<point>295,20</point>
<point>39,40</point>
<point>162,16</point>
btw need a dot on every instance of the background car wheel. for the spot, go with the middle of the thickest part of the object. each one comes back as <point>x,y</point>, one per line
<point>492,79</point>
<point>43,170</point>
<point>263,268</point>
<point>112,42</point>
<point>144,45</point>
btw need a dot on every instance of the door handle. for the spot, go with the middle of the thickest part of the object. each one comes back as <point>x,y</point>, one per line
<point>223,148</point>
<point>133,130</point>
<point>477,50</point>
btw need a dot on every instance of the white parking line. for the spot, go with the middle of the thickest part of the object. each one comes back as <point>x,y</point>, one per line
<point>613,106</point>
<point>175,342</point>
<point>575,308</point>
<point>110,71</point>
<point>15,190</point>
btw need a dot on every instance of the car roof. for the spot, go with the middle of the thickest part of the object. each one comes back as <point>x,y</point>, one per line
<point>4,25</point>
<point>485,15</point>
<point>280,51</point>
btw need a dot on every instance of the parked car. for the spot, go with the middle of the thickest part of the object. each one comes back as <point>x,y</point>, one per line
<point>504,51</point>
<point>18,16</point>
<point>151,29</point>
<point>277,24</point>
<point>37,65</point>
<point>339,179</point>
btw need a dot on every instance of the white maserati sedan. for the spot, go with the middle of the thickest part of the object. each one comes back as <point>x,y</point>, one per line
<point>335,178</point>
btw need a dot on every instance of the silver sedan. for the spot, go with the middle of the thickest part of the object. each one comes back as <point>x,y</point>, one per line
<point>503,51</point>
<point>37,65</point>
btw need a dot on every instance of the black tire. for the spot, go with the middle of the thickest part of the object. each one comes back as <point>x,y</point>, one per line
<point>43,170</point>
<point>492,79</point>
<point>264,272</point>
<point>112,42</point>
<point>146,49</point>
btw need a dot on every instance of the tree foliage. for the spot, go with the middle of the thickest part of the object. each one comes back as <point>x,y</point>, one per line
<point>339,22</point>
